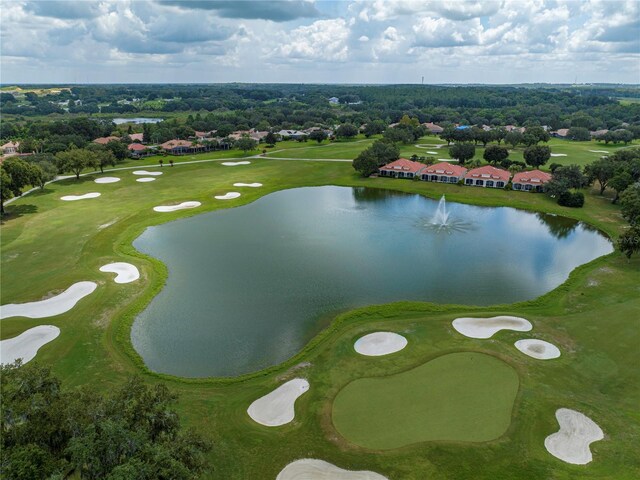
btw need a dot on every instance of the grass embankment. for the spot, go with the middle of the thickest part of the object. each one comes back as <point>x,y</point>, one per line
<point>48,244</point>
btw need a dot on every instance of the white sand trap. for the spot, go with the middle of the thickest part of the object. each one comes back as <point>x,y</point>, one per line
<point>311,469</point>
<point>447,159</point>
<point>538,348</point>
<point>558,154</point>
<point>277,408</point>
<point>571,443</point>
<point>126,272</point>
<point>228,196</point>
<point>145,179</point>
<point>145,172</point>
<point>71,198</point>
<point>380,343</point>
<point>252,185</point>
<point>107,180</point>
<point>233,164</point>
<point>26,345</point>
<point>180,206</point>
<point>486,327</point>
<point>599,151</point>
<point>51,306</point>
<point>432,153</point>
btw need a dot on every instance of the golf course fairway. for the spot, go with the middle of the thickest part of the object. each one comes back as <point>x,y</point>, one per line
<point>462,397</point>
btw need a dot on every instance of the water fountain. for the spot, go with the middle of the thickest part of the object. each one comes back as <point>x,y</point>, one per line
<point>441,222</point>
<point>441,218</point>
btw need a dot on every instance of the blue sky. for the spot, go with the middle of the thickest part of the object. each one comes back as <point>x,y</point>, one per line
<point>306,41</point>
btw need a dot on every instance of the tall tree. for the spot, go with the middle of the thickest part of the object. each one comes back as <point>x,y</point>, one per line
<point>495,154</point>
<point>463,152</point>
<point>76,160</point>
<point>601,170</point>
<point>537,155</point>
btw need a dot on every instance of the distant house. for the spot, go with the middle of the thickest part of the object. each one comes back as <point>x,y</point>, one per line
<point>433,128</point>
<point>184,147</point>
<point>487,176</point>
<point>137,136</point>
<point>462,127</point>
<point>561,133</point>
<point>532,181</point>
<point>443,172</point>
<point>293,134</point>
<point>137,150</point>
<point>598,133</point>
<point>513,128</point>
<point>105,140</point>
<point>401,168</point>
<point>10,148</point>
<point>334,100</point>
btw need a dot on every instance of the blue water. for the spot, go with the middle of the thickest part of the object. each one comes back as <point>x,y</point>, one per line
<point>248,286</point>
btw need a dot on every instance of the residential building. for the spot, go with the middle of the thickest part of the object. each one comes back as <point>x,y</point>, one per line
<point>334,100</point>
<point>433,128</point>
<point>532,181</point>
<point>137,137</point>
<point>443,172</point>
<point>184,147</point>
<point>293,134</point>
<point>561,132</point>
<point>401,168</point>
<point>487,176</point>
<point>10,148</point>
<point>105,140</point>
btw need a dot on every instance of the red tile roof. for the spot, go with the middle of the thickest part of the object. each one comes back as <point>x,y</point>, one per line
<point>136,147</point>
<point>403,165</point>
<point>433,128</point>
<point>137,136</point>
<point>105,140</point>
<point>534,177</point>
<point>171,144</point>
<point>488,173</point>
<point>445,168</point>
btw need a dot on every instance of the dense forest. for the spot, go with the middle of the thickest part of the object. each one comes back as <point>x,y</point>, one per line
<point>265,106</point>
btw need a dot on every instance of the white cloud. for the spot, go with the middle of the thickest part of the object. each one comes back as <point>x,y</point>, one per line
<point>324,40</point>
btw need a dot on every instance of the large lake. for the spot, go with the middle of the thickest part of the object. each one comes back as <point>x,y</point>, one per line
<point>249,286</point>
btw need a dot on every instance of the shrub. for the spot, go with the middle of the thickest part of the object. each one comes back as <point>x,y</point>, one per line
<point>571,199</point>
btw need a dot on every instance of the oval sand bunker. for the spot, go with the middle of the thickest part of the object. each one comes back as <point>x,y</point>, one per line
<point>26,345</point>
<point>251,185</point>
<point>487,327</point>
<point>571,443</point>
<point>72,198</point>
<point>277,408</point>
<point>145,172</point>
<point>233,164</point>
<point>380,343</point>
<point>125,271</point>
<point>180,206</point>
<point>51,306</point>
<point>107,180</point>
<point>145,179</point>
<point>311,469</point>
<point>228,196</point>
<point>538,348</point>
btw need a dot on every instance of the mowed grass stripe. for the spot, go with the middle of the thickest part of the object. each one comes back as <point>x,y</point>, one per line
<point>464,396</point>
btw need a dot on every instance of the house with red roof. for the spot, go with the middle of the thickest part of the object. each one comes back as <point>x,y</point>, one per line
<point>443,172</point>
<point>137,150</point>
<point>137,137</point>
<point>433,128</point>
<point>487,176</point>
<point>532,181</point>
<point>105,140</point>
<point>184,147</point>
<point>10,148</point>
<point>401,168</point>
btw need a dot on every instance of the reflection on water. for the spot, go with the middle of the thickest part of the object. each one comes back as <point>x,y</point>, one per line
<point>247,286</point>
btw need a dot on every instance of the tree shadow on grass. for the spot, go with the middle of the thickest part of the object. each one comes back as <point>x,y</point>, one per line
<point>16,211</point>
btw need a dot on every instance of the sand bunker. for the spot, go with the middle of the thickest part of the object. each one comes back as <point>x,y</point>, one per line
<point>26,345</point>
<point>311,469</point>
<point>145,179</point>
<point>486,327</point>
<point>71,198</point>
<point>51,306</point>
<point>447,159</point>
<point>599,151</point>
<point>432,153</point>
<point>233,164</point>
<point>538,348</point>
<point>277,408</point>
<point>571,443</point>
<point>180,206</point>
<point>126,272</point>
<point>558,154</point>
<point>107,180</point>
<point>380,343</point>
<point>144,172</point>
<point>227,196</point>
<point>252,185</point>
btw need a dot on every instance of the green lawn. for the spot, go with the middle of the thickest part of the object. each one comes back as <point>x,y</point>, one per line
<point>464,396</point>
<point>48,244</point>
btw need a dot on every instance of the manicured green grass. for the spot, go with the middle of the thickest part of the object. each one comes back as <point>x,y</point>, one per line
<point>464,396</point>
<point>48,244</point>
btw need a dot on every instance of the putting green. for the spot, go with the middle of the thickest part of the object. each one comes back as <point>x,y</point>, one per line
<point>463,396</point>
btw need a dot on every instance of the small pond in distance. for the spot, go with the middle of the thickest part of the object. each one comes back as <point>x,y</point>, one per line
<point>249,286</point>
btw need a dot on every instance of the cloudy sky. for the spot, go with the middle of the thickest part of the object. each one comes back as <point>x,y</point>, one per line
<point>306,41</point>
